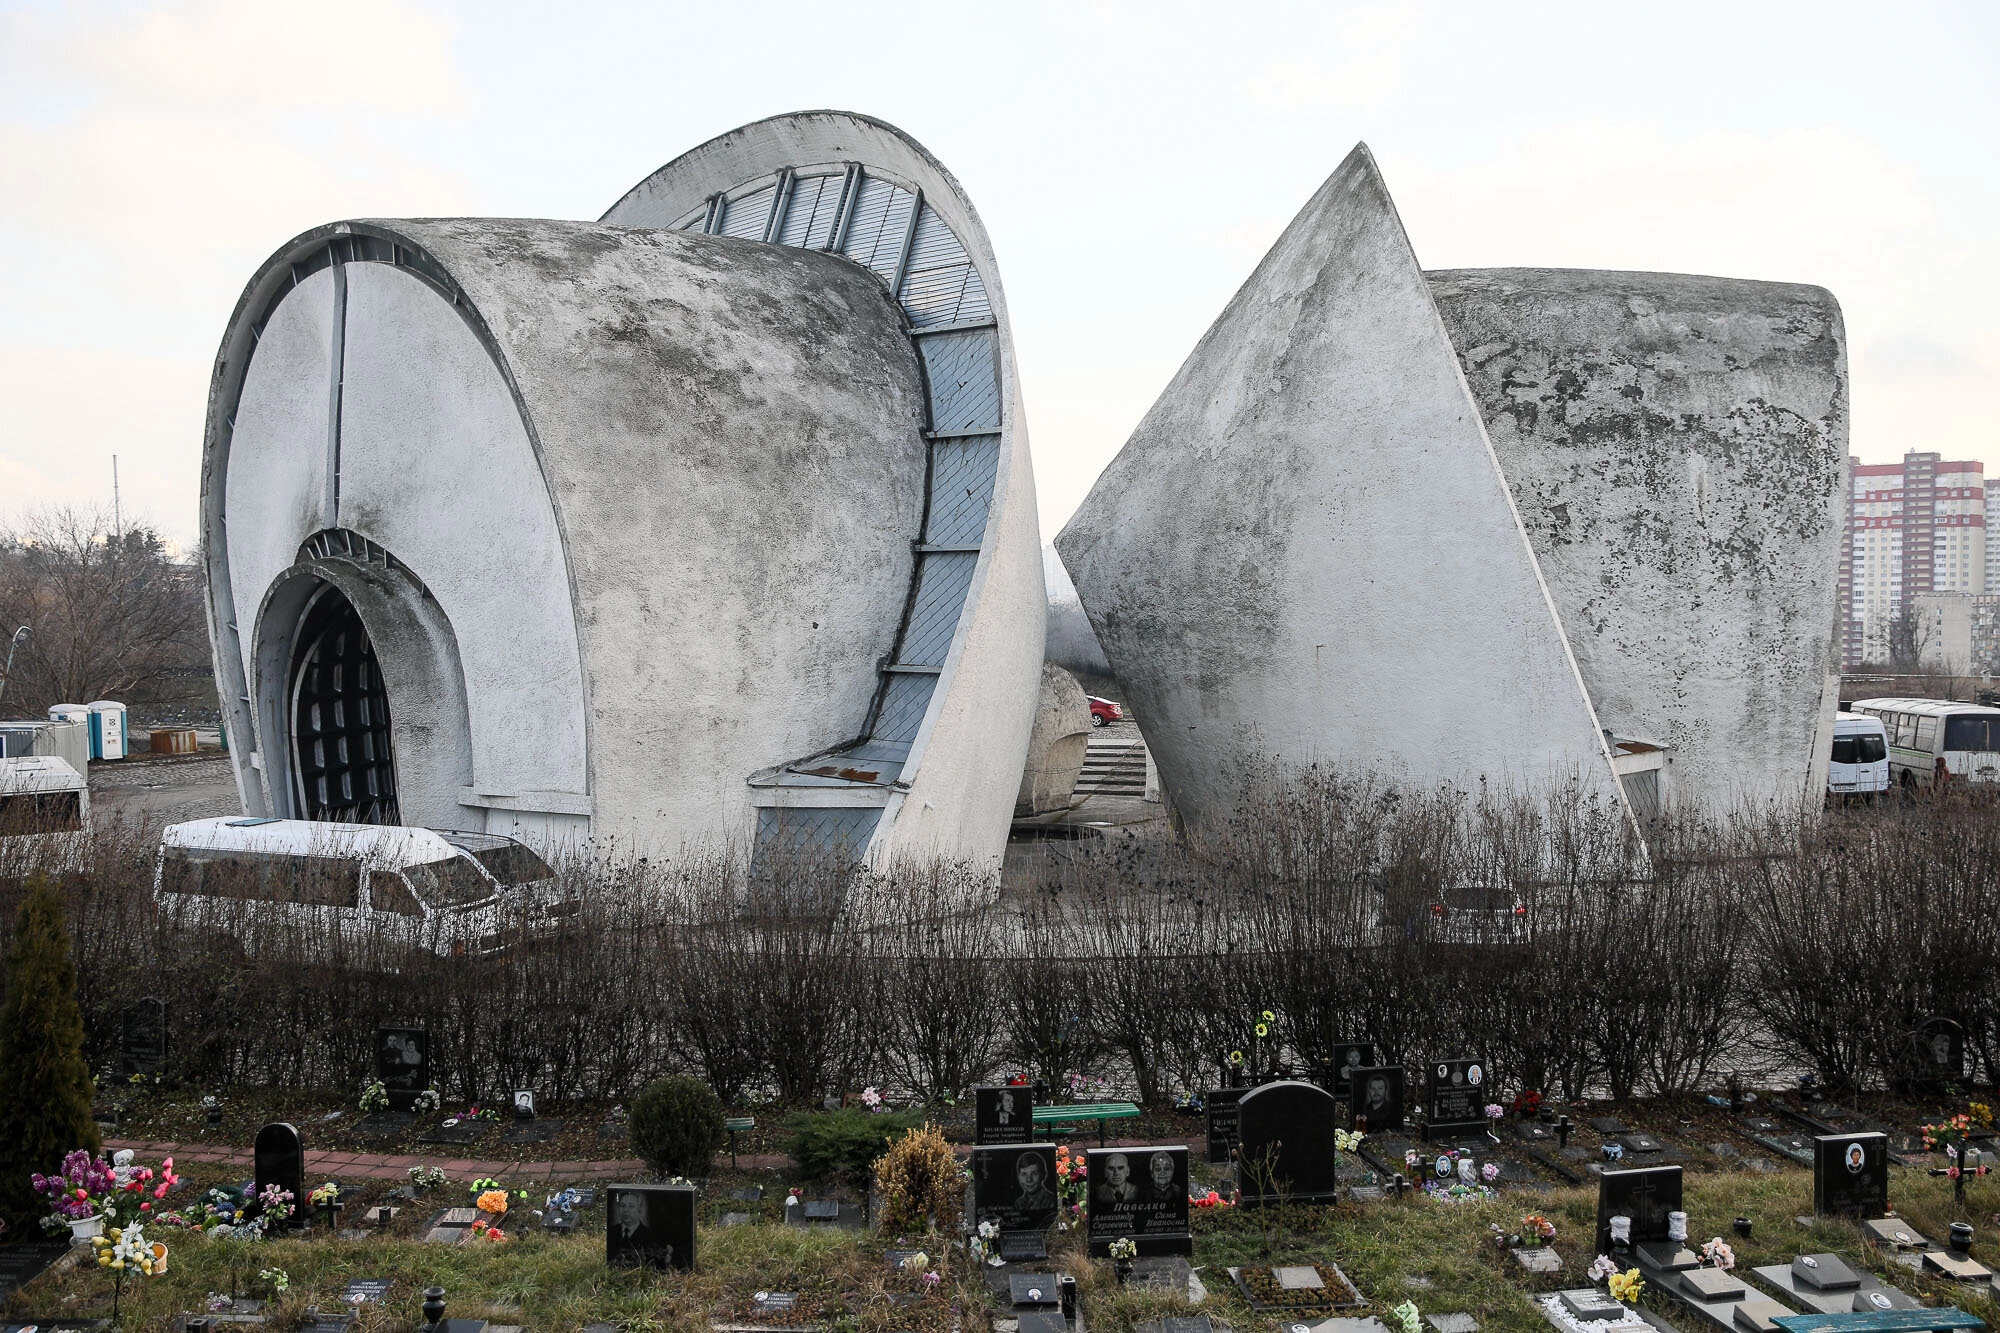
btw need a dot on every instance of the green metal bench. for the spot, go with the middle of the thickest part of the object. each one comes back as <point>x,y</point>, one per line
<point>1879,1321</point>
<point>1101,1112</point>
<point>739,1124</point>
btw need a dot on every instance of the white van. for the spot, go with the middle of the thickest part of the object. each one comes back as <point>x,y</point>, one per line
<point>1860,762</point>
<point>448,891</point>
<point>1935,741</point>
<point>44,815</point>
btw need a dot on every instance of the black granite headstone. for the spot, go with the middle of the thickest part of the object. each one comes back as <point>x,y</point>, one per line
<point>1003,1115</point>
<point>1937,1053</point>
<point>367,1291</point>
<point>1349,1056</point>
<point>403,1064</point>
<point>524,1103</point>
<point>1219,1106</point>
<point>649,1226</point>
<point>1377,1104</point>
<point>1851,1175</point>
<point>1287,1148</point>
<point>142,1037</point>
<point>1646,1195</point>
<point>1457,1100</point>
<point>1014,1186</point>
<point>281,1160</point>
<point>1140,1194</point>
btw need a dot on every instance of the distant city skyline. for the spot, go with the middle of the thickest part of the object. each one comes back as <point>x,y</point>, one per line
<point>152,154</point>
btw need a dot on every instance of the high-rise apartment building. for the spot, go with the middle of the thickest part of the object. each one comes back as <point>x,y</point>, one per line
<point>1913,528</point>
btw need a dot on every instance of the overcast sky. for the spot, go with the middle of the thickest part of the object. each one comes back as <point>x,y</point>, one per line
<point>1131,161</point>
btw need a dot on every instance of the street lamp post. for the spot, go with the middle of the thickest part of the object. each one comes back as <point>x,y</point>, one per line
<point>20,637</point>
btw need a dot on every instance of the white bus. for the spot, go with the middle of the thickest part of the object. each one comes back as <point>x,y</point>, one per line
<point>44,816</point>
<point>1937,741</point>
<point>1859,765</point>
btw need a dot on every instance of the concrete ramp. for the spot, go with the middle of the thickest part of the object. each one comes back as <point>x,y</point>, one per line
<point>1307,550</point>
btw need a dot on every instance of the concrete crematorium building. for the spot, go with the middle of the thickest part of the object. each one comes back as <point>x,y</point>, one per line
<point>1525,525</point>
<point>710,521</point>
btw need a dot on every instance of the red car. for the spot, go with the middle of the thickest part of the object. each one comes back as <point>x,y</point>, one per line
<point>1103,711</point>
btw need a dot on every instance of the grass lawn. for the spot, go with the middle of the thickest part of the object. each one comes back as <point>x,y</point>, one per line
<point>1436,1254</point>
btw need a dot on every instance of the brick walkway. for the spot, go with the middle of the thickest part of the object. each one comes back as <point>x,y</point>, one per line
<point>372,1167</point>
<point>367,1166</point>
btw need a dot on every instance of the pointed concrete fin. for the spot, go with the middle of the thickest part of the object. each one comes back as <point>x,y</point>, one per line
<point>1307,549</point>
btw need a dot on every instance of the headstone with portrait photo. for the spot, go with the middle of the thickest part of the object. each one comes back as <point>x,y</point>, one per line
<point>1013,1187</point>
<point>649,1226</point>
<point>1003,1114</point>
<point>1936,1053</point>
<point>1287,1152</point>
<point>1349,1056</point>
<point>403,1065</point>
<point>1140,1194</point>
<point>1851,1175</point>
<point>1455,1100</point>
<point>1219,1108</point>
<point>1377,1104</point>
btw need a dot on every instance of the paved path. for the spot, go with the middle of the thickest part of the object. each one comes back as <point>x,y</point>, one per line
<point>367,1166</point>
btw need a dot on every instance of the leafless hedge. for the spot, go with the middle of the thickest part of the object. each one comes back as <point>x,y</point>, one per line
<point>1534,933</point>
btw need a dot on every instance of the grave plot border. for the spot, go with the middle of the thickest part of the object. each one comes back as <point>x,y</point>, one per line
<point>1327,1268</point>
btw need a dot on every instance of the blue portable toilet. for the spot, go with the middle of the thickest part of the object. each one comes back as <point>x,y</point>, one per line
<point>107,729</point>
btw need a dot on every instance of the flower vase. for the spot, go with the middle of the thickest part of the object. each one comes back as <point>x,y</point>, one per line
<point>1122,1270</point>
<point>159,1258</point>
<point>82,1229</point>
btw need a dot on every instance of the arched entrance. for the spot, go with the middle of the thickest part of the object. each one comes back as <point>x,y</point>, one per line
<point>343,766</point>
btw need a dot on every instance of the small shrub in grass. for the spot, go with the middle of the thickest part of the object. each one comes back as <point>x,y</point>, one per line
<point>920,1182</point>
<point>676,1125</point>
<point>843,1144</point>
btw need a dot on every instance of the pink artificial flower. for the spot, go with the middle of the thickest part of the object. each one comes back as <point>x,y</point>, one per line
<point>146,1207</point>
<point>160,1191</point>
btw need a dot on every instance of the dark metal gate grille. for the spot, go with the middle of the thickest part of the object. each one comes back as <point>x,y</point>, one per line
<point>340,719</point>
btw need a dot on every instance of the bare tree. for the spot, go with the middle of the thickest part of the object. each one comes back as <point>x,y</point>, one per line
<point>113,614</point>
<point>1909,634</point>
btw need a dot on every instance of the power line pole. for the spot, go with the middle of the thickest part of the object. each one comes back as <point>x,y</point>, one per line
<point>117,523</point>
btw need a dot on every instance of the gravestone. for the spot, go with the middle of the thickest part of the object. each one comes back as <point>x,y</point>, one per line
<point>524,1103</point>
<point>281,1160</point>
<point>1013,1186</point>
<point>531,1131</point>
<point>1349,1056</point>
<point>1646,1195</point>
<point>142,1037</point>
<point>403,1065</point>
<point>1003,1115</point>
<point>367,1291</point>
<point>22,1263</point>
<point>1377,1103</point>
<point>1219,1106</point>
<point>1140,1194</point>
<point>1456,1100</point>
<point>1937,1053</point>
<point>649,1226</point>
<point>456,1129</point>
<point>1027,1291</point>
<point>1828,1284</point>
<point>1851,1175</point>
<point>1287,1150</point>
<point>1042,1321</point>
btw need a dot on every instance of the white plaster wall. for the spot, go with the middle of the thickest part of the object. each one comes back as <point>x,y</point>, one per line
<point>1675,445</point>
<point>1263,561</point>
<point>436,466</point>
<point>277,469</point>
<point>276,474</point>
<point>733,434</point>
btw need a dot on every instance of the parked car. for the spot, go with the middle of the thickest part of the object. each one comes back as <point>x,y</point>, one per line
<point>444,890</point>
<point>1103,711</point>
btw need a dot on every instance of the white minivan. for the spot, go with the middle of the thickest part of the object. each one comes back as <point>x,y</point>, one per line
<point>1859,765</point>
<point>446,891</point>
<point>1935,741</point>
<point>44,815</point>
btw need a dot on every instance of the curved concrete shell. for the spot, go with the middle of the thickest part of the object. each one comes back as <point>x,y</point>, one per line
<point>956,698</point>
<point>1262,560</point>
<point>587,530</point>
<point>1627,584</point>
<point>1674,445</point>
